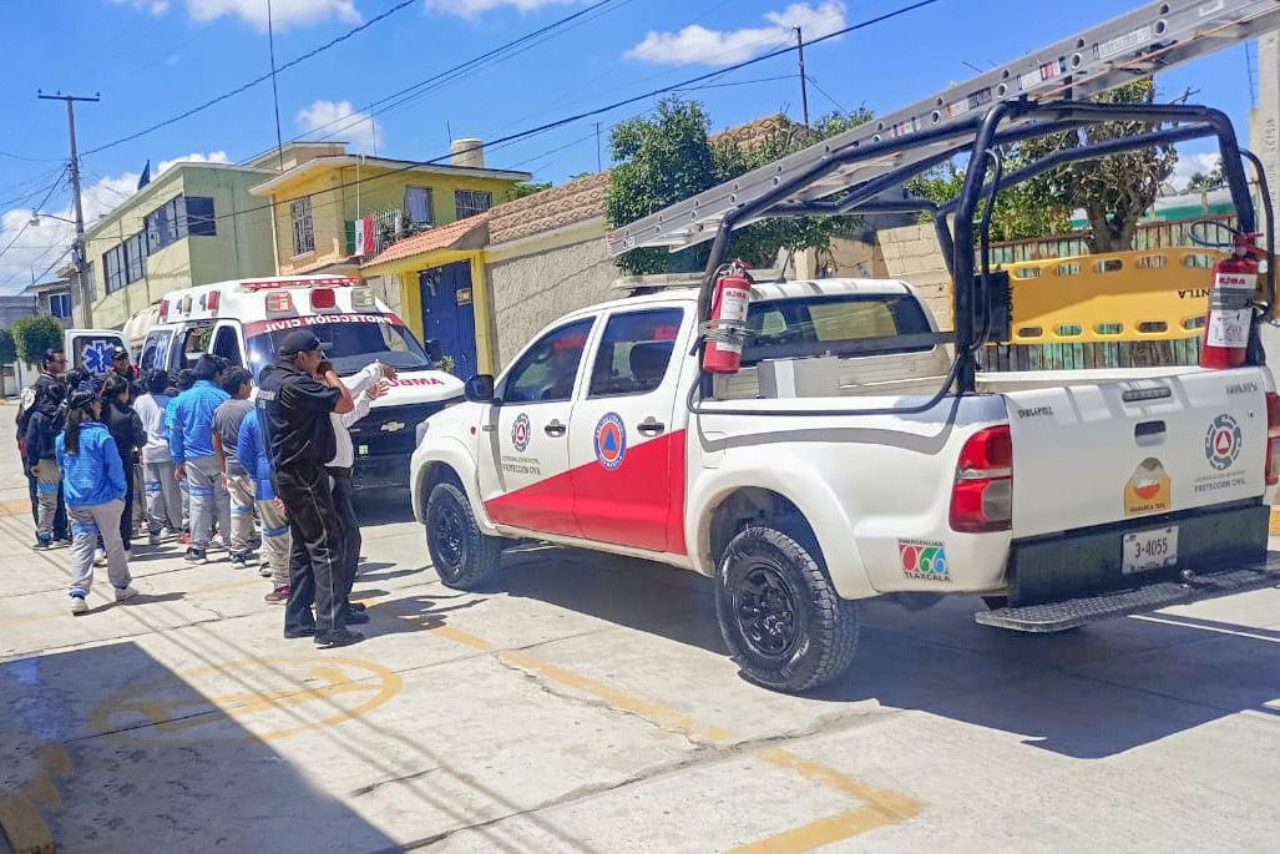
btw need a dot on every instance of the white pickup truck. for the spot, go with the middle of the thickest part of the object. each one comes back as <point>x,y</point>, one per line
<point>1059,497</point>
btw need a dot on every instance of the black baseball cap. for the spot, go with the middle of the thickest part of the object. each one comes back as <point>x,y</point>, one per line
<point>300,341</point>
<point>118,353</point>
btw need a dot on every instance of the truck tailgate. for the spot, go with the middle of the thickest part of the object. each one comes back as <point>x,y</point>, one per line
<point>1088,455</point>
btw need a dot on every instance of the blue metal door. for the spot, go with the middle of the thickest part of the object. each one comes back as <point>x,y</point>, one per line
<point>448,314</point>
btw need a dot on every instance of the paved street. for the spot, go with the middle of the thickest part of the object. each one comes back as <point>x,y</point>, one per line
<point>587,705</point>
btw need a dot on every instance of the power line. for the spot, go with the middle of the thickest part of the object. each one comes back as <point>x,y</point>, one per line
<point>27,224</point>
<point>443,78</point>
<point>404,4</point>
<point>13,156</point>
<point>827,95</point>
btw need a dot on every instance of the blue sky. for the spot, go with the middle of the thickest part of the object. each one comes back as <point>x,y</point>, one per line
<point>153,59</point>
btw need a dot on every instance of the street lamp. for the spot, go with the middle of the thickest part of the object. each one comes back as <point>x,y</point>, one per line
<point>77,253</point>
<point>36,215</point>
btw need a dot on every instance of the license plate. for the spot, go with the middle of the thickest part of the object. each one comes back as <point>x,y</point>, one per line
<point>1147,550</point>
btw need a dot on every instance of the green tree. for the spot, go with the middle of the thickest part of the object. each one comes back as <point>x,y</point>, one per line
<point>1114,191</point>
<point>669,157</point>
<point>34,335</point>
<point>528,188</point>
<point>8,349</point>
<point>1202,183</point>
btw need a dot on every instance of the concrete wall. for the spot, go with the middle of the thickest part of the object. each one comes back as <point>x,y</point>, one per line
<point>911,253</point>
<point>533,288</point>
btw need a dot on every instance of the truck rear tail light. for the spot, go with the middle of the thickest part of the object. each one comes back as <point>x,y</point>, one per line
<point>279,302</point>
<point>362,298</point>
<point>1273,438</point>
<point>212,299</point>
<point>323,298</point>
<point>982,498</point>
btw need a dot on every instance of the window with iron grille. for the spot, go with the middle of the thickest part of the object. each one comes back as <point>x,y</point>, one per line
<point>417,205</point>
<point>472,202</point>
<point>304,235</point>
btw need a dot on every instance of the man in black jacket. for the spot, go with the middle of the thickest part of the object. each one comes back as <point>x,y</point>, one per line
<point>295,398</point>
<point>53,366</point>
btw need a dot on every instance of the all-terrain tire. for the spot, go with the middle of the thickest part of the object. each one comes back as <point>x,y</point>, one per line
<point>463,556</point>
<point>780,615</point>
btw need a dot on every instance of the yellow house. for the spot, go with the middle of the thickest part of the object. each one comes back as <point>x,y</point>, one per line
<point>335,211</point>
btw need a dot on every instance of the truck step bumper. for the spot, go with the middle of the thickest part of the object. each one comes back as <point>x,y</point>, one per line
<point>1070,613</point>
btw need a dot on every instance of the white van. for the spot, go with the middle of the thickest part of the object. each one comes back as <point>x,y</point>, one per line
<point>244,321</point>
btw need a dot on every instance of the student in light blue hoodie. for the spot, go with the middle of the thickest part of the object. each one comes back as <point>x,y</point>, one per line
<point>94,487</point>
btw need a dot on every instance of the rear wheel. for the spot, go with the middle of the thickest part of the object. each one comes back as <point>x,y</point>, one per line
<point>463,556</point>
<point>782,619</point>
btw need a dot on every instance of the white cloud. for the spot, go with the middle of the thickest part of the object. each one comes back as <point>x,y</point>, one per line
<point>154,7</point>
<point>339,120</point>
<point>35,248</point>
<point>193,157</point>
<point>285,13</point>
<point>472,8</point>
<point>1189,163</point>
<point>695,44</point>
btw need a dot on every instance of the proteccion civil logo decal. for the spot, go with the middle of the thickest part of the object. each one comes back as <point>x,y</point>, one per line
<point>520,433</point>
<point>611,441</point>
<point>1222,442</point>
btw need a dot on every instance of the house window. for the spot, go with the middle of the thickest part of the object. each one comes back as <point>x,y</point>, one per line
<point>113,268</point>
<point>417,205</point>
<point>177,218</point>
<point>201,221</point>
<point>472,202</point>
<point>135,249</point>
<point>304,235</point>
<point>60,305</point>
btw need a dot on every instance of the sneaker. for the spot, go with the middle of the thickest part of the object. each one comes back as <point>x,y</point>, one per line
<point>78,605</point>
<point>333,640</point>
<point>100,557</point>
<point>154,539</point>
<point>239,560</point>
<point>195,555</point>
<point>356,618</point>
<point>43,542</point>
<point>123,594</point>
<point>64,543</point>
<point>278,596</point>
<point>304,632</point>
<point>265,571</point>
<point>356,606</point>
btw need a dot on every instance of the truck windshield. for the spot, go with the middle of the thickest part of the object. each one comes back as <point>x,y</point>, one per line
<point>352,345</point>
<point>802,326</point>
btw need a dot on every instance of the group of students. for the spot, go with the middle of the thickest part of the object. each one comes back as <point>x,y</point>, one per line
<point>208,459</point>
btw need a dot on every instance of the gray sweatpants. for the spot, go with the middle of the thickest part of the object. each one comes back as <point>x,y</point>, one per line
<point>241,489</point>
<point>164,497</point>
<point>47,482</point>
<point>208,497</point>
<point>87,524</point>
<point>276,542</point>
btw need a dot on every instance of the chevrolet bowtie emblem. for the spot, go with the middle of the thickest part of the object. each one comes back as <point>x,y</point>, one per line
<point>391,427</point>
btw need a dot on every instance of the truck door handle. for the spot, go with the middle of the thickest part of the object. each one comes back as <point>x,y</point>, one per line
<point>651,426</point>
<point>555,428</point>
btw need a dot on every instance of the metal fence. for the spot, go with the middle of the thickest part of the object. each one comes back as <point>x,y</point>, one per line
<point>1153,235</point>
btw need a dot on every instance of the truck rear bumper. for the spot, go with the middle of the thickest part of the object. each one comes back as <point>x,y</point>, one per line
<point>1071,613</point>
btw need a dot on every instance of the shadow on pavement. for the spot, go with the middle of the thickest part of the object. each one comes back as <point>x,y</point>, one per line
<point>114,751</point>
<point>1096,692</point>
<point>384,506</point>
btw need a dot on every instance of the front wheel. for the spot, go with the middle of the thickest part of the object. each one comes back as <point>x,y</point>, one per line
<point>782,619</point>
<point>463,556</point>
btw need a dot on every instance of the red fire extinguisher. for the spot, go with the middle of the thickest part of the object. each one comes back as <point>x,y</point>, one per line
<point>1226,329</point>
<point>723,330</point>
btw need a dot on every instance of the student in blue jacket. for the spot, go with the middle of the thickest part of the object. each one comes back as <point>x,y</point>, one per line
<point>94,486</point>
<point>194,459</point>
<point>251,450</point>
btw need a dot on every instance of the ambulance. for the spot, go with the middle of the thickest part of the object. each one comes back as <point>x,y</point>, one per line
<point>245,321</point>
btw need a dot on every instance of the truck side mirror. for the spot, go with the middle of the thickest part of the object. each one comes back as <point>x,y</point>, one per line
<point>479,389</point>
<point>435,350</point>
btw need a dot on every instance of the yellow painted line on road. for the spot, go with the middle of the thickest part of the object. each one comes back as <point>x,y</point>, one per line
<point>20,818</point>
<point>15,507</point>
<point>879,808</point>
<point>1275,522</point>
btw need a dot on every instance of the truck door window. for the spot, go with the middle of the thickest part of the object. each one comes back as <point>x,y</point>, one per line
<point>634,352</point>
<point>226,345</point>
<point>154,350</point>
<point>195,345</point>
<point>785,328</point>
<point>547,370</point>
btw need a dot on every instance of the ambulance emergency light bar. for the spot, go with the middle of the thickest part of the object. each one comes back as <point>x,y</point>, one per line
<point>332,282</point>
<point>1152,38</point>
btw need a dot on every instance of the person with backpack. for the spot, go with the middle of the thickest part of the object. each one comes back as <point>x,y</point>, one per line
<point>53,367</point>
<point>94,481</point>
<point>164,496</point>
<point>44,423</point>
<point>129,435</point>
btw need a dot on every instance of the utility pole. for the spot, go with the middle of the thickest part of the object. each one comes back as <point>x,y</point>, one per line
<point>804,80</point>
<point>79,252</point>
